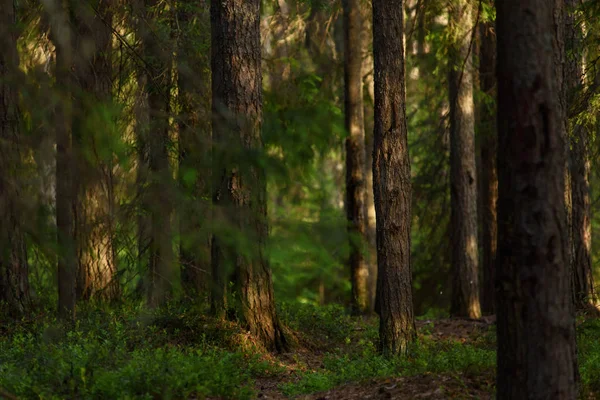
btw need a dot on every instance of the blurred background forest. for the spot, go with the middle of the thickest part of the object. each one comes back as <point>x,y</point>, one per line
<point>303,131</point>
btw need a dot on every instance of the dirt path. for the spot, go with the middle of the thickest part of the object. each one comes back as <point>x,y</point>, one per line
<point>426,386</point>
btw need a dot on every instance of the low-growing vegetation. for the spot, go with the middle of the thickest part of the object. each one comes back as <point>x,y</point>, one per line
<point>174,353</point>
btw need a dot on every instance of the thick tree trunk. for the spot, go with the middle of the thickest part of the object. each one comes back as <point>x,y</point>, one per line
<point>239,191</point>
<point>158,200</point>
<point>355,155</point>
<point>535,319</point>
<point>463,176</point>
<point>391,181</point>
<point>14,279</point>
<point>581,222</point>
<point>193,82</point>
<point>94,206</point>
<point>489,173</point>
<point>65,191</point>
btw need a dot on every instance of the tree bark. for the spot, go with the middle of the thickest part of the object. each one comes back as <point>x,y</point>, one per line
<point>535,319</point>
<point>194,140</point>
<point>65,191</point>
<point>239,188</point>
<point>355,156</point>
<point>489,172</point>
<point>159,202</point>
<point>14,278</point>
<point>581,222</point>
<point>463,176</point>
<point>369,96</point>
<point>392,181</point>
<point>94,205</point>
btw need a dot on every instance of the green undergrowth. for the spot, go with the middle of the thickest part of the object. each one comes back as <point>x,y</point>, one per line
<point>588,352</point>
<point>177,352</point>
<point>363,362</point>
<point>129,354</point>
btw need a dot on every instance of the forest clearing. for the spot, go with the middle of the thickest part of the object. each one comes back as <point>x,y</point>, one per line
<point>309,199</point>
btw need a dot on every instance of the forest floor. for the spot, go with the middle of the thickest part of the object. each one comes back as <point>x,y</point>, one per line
<point>427,385</point>
<point>179,353</point>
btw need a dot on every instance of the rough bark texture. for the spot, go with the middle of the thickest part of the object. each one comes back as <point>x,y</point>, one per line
<point>355,155</point>
<point>14,283</point>
<point>489,172</point>
<point>391,181</point>
<point>193,82</point>
<point>65,191</point>
<point>94,205</point>
<point>158,200</point>
<point>535,319</point>
<point>239,191</point>
<point>581,222</point>
<point>463,176</point>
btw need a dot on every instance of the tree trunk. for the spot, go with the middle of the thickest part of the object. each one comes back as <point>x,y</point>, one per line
<point>463,177</point>
<point>581,222</point>
<point>489,173</point>
<point>14,279</point>
<point>94,205</point>
<point>535,319</point>
<point>239,191</point>
<point>193,83</point>
<point>65,191</point>
<point>369,91</point>
<point>156,49</point>
<point>391,181</point>
<point>355,156</point>
<point>142,129</point>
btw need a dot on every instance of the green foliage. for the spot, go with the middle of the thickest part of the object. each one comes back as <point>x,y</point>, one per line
<point>588,351</point>
<point>364,362</point>
<point>329,323</point>
<point>118,355</point>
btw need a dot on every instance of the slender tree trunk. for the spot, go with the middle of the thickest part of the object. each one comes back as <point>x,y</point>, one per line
<point>194,134</point>
<point>94,205</point>
<point>355,155</point>
<point>65,191</point>
<point>369,96</point>
<point>142,129</point>
<point>489,173</point>
<point>158,200</point>
<point>14,279</point>
<point>239,190</point>
<point>581,223</point>
<point>535,319</point>
<point>463,176</point>
<point>391,181</point>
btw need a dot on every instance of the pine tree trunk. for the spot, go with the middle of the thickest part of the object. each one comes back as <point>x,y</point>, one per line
<point>391,181</point>
<point>142,130</point>
<point>94,205</point>
<point>535,319</point>
<point>369,91</point>
<point>489,172</point>
<point>355,155</point>
<point>158,200</point>
<point>193,83</point>
<point>14,279</point>
<point>463,176</point>
<point>239,191</point>
<point>581,223</point>
<point>61,34</point>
